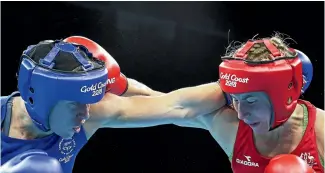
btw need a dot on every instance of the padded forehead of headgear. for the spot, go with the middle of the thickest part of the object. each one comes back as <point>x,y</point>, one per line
<point>64,61</point>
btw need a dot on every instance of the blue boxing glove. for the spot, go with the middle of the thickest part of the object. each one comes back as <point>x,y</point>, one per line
<point>307,70</point>
<point>32,161</point>
<point>228,98</point>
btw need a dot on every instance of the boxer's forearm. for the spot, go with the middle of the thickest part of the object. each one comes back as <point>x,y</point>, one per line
<point>183,103</point>
<point>180,107</point>
<point>137,88</point>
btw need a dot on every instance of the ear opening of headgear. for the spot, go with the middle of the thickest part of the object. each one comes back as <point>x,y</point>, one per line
<point>280,77</point>
<point>41,85</point>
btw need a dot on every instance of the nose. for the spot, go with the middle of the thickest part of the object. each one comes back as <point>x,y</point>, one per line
<point>243,116</point>
<point>83,114</point>
<point>242,111</point>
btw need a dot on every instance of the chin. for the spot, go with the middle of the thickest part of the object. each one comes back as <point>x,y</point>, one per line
<point>66,134</point>
<point>260,129</point>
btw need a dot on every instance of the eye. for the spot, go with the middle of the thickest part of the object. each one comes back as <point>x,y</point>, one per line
<point>72,104</point>
<point>251,100</point>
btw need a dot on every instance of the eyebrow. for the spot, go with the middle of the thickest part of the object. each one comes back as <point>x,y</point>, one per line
<point>245,97</point>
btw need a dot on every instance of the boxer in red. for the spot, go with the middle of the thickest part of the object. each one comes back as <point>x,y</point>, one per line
<point>264,117</point>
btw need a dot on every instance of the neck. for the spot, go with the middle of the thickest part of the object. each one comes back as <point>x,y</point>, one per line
<point>22,125</point>
<point>285,131</point>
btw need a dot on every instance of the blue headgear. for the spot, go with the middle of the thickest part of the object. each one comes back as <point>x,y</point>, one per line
<point>41,86</point>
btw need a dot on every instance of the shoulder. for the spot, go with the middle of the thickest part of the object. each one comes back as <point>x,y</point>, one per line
<point>4,98</point>
<point>320,114</point>
<point>319,128</point>
<point>222,125</point>
<point>319,124</point>
<point>13,94</point>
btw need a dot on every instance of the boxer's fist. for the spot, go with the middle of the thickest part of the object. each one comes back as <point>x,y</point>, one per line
<point>288,163</point>
<point>117,82</point>
<point>307,69</point>
<point>32,161</point>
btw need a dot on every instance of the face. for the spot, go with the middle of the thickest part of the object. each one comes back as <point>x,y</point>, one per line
<point>66,118</point>
<point>255,109</point>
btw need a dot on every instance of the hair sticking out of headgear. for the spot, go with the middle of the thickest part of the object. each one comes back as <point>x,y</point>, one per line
<point>260,52</point>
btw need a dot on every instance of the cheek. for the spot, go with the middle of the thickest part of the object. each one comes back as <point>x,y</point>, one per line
<point>262,111</point>
<point>256,109</point>
<point>61,116</point>
<point>235,105</point>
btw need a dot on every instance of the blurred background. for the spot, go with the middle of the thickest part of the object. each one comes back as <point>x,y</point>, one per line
<point>167,46</point>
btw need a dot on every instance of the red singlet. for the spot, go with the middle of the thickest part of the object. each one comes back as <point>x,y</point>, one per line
<point>246,158</point>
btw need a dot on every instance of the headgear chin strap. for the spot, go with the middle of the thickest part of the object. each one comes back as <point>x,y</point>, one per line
<point>280,78</point>
<point>41,86</point>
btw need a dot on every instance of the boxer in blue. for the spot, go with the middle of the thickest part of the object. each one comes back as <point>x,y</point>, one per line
<point>42,124</point>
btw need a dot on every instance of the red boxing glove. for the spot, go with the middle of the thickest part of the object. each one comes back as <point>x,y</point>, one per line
<point>288,163</point>
<point>117,82</point>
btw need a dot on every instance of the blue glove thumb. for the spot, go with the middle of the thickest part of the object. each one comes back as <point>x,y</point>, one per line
<point>32,161</point>
<point>307,70</point>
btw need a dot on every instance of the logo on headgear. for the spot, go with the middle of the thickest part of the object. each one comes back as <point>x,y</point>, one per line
<point>232,79</point>
<point>96,88</point>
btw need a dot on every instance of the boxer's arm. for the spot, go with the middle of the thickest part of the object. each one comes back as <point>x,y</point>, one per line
<point>174,107</point>
<point>198,107</point>
<point>137,88</point>
<point>319,130</point>
<point>180,107</point>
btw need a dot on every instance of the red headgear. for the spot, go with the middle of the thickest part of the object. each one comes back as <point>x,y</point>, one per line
<point>280,78</point>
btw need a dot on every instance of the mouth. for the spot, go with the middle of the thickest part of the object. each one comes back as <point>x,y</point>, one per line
<point>76,129</point>
<point>253,124</point>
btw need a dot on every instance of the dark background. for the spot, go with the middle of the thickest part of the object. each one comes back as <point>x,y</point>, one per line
<point>166,45</point>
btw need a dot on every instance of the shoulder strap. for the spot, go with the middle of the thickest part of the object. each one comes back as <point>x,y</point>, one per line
<point>4,100</point>
<point>5,106</point>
